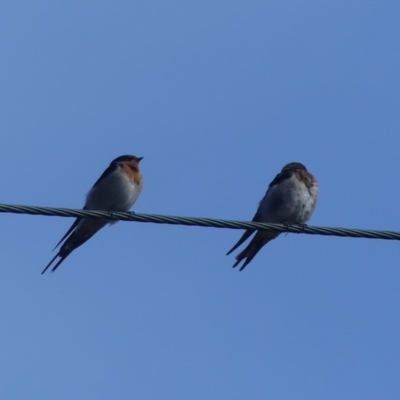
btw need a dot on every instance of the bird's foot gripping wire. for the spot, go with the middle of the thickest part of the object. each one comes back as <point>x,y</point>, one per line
<point>303,227</point>
<point>111,212</point>
<point>287,226</point>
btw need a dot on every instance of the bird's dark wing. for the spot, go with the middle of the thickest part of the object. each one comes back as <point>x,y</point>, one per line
<point>245,235</point>
<point>111,168</point>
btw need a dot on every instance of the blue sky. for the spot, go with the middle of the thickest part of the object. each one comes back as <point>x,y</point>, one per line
<point>216,96</point>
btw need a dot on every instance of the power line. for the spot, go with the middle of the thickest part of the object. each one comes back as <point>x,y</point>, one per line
<point>204,222</point>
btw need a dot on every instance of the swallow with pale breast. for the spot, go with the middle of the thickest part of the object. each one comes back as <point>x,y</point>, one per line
<point>117,189</point>
<point>291,198</point>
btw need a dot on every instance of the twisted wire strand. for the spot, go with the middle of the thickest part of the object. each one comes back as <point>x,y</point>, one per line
<point>204,222</point>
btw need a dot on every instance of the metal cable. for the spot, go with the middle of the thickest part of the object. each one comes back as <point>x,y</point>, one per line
<point>205,222</point>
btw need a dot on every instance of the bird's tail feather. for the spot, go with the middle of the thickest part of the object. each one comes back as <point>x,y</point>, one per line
<point>243,238</point>
<point>51,262</point>
<point>261,239</point>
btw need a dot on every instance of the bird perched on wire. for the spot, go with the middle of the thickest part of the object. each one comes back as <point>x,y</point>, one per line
<point>116,190</point>
<point>291,198</point>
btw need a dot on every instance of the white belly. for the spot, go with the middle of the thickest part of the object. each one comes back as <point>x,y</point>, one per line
<point>116,192</point>
<point>290,201</point>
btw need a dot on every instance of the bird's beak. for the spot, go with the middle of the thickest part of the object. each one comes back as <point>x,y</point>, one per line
<point>140,158</point>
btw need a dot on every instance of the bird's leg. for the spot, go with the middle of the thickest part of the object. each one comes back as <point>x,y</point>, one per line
<point>111,212</point>
<point>303,226</point>
<point>287,227</point>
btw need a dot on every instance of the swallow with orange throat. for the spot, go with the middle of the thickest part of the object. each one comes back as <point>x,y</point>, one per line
<point>117,189</point>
